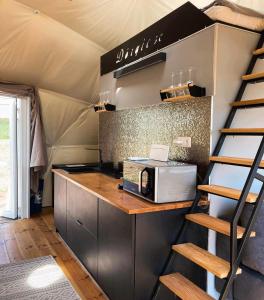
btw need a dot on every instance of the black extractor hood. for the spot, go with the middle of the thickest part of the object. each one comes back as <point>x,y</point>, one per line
<point>180,23</point>
<point>142,64</point>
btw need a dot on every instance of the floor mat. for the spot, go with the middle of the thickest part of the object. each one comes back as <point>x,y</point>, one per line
<point>40,278</point>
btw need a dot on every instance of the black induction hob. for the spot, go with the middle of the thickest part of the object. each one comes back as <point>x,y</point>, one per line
<point>105,168</point>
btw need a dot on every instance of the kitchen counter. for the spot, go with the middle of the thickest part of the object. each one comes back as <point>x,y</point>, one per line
<point>105,188</point>
<point>122,240</point>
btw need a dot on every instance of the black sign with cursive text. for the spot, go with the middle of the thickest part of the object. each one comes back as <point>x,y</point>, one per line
<point>177,25</point>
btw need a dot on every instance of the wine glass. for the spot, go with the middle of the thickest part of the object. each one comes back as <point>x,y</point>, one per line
<point>172,93</point>
<point>190,75</point>
<point>107,97</point>
<point>190,79</point>
<point>100,101</point>
<point>180,92</point>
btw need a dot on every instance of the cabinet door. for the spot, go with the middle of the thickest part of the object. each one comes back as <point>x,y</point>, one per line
<point>83,207</point>
<point>83,244</point>
<point>116,252</point>
<point>60,205</point>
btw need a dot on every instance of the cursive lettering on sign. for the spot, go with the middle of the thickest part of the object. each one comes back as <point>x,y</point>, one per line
<point>124,54</point>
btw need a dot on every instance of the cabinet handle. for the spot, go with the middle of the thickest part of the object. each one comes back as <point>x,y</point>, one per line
<point>79,223</point>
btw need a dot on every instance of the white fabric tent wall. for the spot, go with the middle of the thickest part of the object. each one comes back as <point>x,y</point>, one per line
<point>110,22</point>
<point>71,127</point>
<point>37,50</point>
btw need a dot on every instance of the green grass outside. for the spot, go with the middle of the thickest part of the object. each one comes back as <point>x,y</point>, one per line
<point>4,129</point>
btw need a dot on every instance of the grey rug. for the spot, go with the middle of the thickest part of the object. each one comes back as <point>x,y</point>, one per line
<point>40,278</point>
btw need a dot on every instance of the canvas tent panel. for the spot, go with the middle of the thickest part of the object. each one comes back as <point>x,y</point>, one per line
<point>111,22</point>
<point>39,51</point>
<point>71,126</point>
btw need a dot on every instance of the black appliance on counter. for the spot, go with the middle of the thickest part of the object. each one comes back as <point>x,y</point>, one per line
<point>107,168</point>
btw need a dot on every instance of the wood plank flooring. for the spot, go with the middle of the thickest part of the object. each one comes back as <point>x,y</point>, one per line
<point>25,239</point>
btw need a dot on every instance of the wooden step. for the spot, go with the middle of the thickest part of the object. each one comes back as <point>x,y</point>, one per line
<point>245,131</point>
<point>214,264</point>
<point>226,192</point>
<point>247,162</point>
<point>183,287</point>
<point>216,224</point>
<point>258,51</point>
<point>248,103</point>
<point>253,76</point>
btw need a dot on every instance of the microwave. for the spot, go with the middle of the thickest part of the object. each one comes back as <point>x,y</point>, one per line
<point>160,182</point>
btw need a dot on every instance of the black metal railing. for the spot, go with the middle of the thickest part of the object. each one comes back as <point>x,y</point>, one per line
<point>235,251</point>
<point>235,254</point>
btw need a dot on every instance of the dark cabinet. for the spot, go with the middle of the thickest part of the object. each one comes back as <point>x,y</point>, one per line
<point>60,205</point>
<point>83,244</point>
<point>83,207</point>
<point>116,252</point>
<point>82,214</point>
<point>133,250</point>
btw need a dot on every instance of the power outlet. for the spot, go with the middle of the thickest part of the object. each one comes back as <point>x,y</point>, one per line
<point>183,142</point>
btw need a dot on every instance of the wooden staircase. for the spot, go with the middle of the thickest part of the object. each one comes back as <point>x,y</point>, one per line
<point>216,224</point>
<point>228,270</point>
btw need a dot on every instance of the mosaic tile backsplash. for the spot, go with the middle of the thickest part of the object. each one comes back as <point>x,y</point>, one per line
<point>131,132</point>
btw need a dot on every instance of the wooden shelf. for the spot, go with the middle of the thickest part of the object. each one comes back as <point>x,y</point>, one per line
<point>178,99</point>
<point>183,287</point>
<point>106,107</point>
<point>226,192</point>
<point>258,51</point>
<point>101,111</point>
<point>253,76</point>
<point>216,224</point>
<point>212,263</point>
<point>177,88</point>
<point>247,162</point>
<point>194,91</point>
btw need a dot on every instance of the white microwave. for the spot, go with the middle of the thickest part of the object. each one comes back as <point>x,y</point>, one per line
<point>160,182</point>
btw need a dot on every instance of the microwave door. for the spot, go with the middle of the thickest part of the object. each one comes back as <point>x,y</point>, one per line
<point>142,181</point>
<point>145,180</point>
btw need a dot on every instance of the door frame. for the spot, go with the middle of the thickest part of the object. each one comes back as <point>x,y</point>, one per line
<point>23,141</point>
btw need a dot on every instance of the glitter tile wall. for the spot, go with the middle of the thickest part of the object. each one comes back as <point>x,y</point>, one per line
<point>131,132</point>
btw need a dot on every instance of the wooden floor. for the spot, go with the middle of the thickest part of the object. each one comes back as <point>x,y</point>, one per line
<point>25,239</point>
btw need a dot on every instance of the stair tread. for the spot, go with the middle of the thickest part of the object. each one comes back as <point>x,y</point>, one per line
<point>235,160</point>
<point>216,224</point>
<point>248,102</point>
<point>227,192</point>
<point>242,130</point>
<point>212,263</point>
<point>258,51</point>
<point>183,287</point>
<point>253,76</point>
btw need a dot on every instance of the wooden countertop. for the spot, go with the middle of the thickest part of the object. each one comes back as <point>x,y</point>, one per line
<point>105,188</point>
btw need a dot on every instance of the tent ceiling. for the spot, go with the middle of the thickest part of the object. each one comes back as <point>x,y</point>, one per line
<point>57,44</point>
<point>110,22</point>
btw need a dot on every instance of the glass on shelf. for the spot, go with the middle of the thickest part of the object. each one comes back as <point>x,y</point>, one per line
<point>107,97</point>
<point>172,93</point>
<point>190,79</point>
<point>180,92</point>
<point>101,101</point>
<point>190,75</point>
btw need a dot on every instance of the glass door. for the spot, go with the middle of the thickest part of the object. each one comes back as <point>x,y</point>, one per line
<point>8,157</point>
